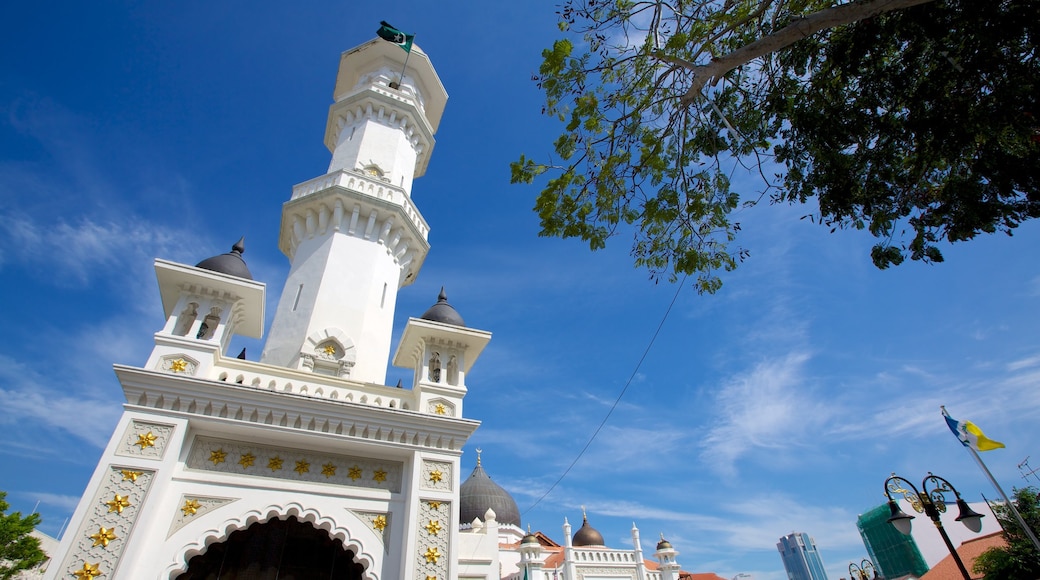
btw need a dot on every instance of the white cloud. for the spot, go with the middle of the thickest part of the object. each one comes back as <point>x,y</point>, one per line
<point>768,407</point>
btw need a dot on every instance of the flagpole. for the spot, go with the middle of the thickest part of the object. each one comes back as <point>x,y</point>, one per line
<point>1010,504</point>
<point>405,67</point>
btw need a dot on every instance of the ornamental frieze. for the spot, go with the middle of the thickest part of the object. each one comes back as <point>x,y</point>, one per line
<point>239,458</point>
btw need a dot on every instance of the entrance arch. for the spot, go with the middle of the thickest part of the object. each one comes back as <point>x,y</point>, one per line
<point>276,549</point>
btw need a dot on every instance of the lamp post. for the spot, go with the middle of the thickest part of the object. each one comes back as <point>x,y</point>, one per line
<point>930,502</point>
<point>860,572</point>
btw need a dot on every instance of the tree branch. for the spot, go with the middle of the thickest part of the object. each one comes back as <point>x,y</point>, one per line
<point>801,28</point>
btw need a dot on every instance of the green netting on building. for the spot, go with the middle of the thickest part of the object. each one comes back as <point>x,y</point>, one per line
<point>894,554</point>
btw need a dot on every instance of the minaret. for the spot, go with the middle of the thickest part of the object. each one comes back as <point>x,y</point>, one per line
<point>228,464</point>
<point>354,236</point>
<point>665,555</point>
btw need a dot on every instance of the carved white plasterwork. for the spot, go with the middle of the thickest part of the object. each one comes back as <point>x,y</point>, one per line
<point>241,520</point>
<point>125,488</point>
<point>432,535</point>
<point>591,572</point>
<point>145,439</point>
<point>241,458</point>
<point>179,364</point>
<point>193,506</point>
<point>371,519</point>
<point>441,407</point>
<point>598,573</point>
<point>436,475</point>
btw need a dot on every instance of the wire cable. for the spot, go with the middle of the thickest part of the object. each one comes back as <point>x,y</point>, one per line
<point>616,401</point>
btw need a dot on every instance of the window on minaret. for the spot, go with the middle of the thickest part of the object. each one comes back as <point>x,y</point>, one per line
<point>435,367</point>
<point>186,319</point>
<point>209,325</point>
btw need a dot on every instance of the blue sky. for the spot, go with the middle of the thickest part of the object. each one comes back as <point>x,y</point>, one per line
<point>135,130</point>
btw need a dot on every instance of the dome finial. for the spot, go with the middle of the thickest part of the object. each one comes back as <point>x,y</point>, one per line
<point>479,451</point>
<point>443,312</point>
<point>230,263</point>
<point>584,515</point>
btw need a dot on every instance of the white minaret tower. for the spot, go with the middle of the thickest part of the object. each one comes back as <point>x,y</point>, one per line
<point>665,555</point>
<point>354,236</point>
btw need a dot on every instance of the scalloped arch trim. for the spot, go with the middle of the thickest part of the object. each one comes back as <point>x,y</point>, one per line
<point>244,520</point>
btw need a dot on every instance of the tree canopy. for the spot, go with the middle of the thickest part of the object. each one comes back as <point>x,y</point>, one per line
<point>915,120</point>
<point>1020,558</point>
<point>18,550</point>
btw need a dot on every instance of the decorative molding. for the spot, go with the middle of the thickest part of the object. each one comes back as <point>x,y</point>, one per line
<point>432,535</point>
<point>146,440</point>
<point>191,507</point>
<point>240,521</point>
<point>373,521</point>
<point>442,407</point>
<point>339,409</point>
<point>101,537</point>
<point>600,572</point>
<point>436,475</point>
<point>180,364</point>
<point>239,458</point>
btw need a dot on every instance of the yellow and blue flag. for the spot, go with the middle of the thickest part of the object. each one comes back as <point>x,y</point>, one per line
<point>970,435</point>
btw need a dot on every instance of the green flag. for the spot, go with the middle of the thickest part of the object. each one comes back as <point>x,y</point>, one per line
<point>391,34</point>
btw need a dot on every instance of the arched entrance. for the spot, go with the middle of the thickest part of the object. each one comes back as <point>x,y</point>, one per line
<point>276,550</point>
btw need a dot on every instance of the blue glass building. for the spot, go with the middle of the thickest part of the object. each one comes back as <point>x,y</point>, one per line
<point>801,559</point>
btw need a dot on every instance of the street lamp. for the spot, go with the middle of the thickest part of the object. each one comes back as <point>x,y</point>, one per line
<point>931,503</point>
<point>860,572</point>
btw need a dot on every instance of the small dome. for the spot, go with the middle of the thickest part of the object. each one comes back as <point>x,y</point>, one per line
<point>664,545</point>
<point>443,312</point>
<point>230,263</point>
<point>530,538</point>
<point>587,535</point>
<point>478,494</point>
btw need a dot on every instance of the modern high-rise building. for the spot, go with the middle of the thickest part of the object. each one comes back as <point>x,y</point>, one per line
<point>801,559</point>
<point>894,554</point>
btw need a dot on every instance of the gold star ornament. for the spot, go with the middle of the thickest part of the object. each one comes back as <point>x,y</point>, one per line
<point>88,571</point>
<point>146,440</point>
<point>434,505</point>
<point>328,470</point>
<point>432,555</point>
<point>440,409</point>
<point>302,467</point>
<point>434,527</point>
<point>179,366</point>
<point>379,523</point>
<point>274,463</point>
<point>130,475</point>
<point>379,475</point>
<point>354,473</point>
<point>247,460</point>
<point>436,476</point>
<point>103,537</point>
<point>191,507</point>
<point>329,349</point>
<point>217,456</point>
<point>118,503</point>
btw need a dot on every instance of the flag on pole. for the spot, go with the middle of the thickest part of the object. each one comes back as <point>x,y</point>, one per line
<point>391,34</point>
<point>970,435</point>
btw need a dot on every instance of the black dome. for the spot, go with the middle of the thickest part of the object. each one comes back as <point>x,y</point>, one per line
<point>587,535</point>
<point>230,263</point>
<point>443,312</point>
<point>478,493</point>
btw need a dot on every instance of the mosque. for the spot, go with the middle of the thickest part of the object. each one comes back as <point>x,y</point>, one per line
<point>305,464</point>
